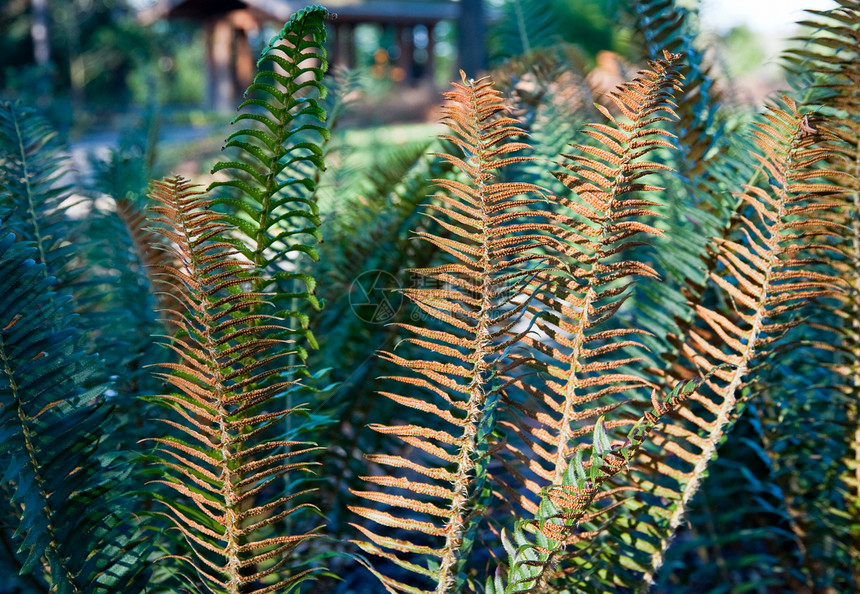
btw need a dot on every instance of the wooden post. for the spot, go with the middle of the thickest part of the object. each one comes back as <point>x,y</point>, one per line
<point>219,33</point>
<point>336,58</point>
<point>348,45</point>
<point>473,57</point>
<point>244,66</point>
<point>406,60</point>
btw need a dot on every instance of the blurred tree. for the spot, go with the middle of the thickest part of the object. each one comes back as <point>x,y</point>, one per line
<point>73,57</point>
<point>521,25</point>
<point>39,31</point>
<point>590,25</point>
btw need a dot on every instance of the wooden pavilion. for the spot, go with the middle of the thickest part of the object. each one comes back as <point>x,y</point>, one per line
<point>230,24</point>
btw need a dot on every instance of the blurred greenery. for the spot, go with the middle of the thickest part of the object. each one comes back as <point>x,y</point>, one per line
<point>746,50</point>
<point>102,59</point>
<point>107,71</point>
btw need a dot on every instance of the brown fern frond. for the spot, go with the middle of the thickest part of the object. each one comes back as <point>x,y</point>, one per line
<point>478,297</point>
<point>768,273</point>
<point>580,351</point>
<point>232,454</point>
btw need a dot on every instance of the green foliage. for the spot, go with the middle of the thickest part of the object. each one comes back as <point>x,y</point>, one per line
<point>73,531</point>
<point>277,151</point>
<point>523,27</point>
<point>33,188</point>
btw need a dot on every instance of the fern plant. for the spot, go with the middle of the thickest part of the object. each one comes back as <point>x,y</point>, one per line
<point>229,372</point>
<point>275,156</point>
<point>765,275</point>
<point>574,363</point>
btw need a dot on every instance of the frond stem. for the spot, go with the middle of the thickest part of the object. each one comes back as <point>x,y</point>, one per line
<point>231,527</point>
<point>457,524</point>
<point>31,207</point>
<point>34,463</point>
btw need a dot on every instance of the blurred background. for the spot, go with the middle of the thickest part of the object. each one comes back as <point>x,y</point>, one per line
<point>93,64</point>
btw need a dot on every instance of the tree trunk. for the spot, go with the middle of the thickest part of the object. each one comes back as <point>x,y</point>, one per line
<point>39,31</point>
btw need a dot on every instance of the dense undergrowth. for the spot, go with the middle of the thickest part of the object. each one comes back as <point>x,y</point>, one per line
<point>579,343</point>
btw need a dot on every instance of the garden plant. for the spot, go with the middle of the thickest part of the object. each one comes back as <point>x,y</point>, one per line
<point>621,349</point>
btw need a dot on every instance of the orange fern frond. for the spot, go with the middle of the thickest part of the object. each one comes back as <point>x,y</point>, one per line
<point>565,507</point>
<point>766,275</point>
<point>579,349</point>
<point>479,297</point>
<point>232,453</point>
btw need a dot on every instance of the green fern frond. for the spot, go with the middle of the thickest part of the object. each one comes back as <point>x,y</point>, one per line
<point>74,527</point>
<point>699,202</point>
<point>34,187</point>
<point>522,27</point>
<point>232,453</point>
<point>828,60</point>
<point>492,240</point>
<point>276,154</point>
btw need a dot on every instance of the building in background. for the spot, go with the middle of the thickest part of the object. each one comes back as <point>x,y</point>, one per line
<point>232,25</point>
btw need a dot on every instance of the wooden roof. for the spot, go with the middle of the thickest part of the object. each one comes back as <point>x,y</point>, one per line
<point>350,11</point>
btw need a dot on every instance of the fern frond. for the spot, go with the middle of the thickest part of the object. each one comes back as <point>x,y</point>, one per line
<point>698,202</point>
<point>666,26</point>
<point>578,348</point>
<point>34,187</point>
<point>737,529</point>
<point>549,93</point>
<point>767,274</point>
<point>828,60</point>
<point>481,294</point>
<point>150,259</point>
<point>229,463</point>
<point>580,344</point>
<point>73,520</point>
<point>276,152</point>
<point>369,236</point>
